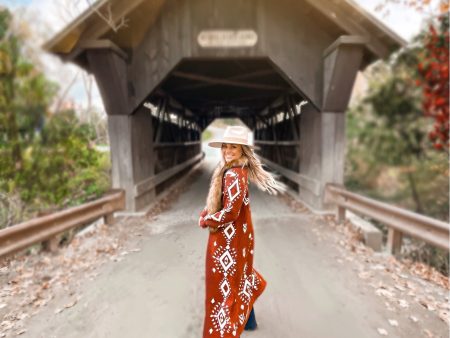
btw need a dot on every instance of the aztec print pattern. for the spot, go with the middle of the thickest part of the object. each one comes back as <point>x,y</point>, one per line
<point>232,285</point>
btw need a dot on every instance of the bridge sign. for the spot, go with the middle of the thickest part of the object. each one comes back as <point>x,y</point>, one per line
<point>216,38</point>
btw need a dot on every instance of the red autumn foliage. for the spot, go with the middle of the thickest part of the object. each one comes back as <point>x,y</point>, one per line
<point>433,69</point>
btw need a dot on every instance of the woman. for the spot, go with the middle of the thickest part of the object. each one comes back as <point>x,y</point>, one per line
<point>232,284</point>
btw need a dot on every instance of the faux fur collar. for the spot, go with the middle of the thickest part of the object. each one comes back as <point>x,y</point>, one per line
<point>214,199</point>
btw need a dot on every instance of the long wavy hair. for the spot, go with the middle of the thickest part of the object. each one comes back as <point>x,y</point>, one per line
<point>263,179</point>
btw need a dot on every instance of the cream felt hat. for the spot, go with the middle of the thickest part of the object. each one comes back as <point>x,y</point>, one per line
<point>235,135</point>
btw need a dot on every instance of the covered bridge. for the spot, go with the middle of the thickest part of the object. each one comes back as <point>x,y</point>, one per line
<point>286,68</point>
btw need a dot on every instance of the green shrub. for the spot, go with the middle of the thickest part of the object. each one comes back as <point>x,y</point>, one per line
<point>59,168</point>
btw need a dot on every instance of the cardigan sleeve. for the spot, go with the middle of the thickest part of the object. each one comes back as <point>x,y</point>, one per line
<point>234,191</point>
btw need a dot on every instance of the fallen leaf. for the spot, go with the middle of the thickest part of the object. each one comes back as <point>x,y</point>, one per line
<point>393,322</point>
<point>383,292</point>
<point>382,331</point>
<point>21,332</point>
<point>414,319</point>
<point>444,315</point>
<point>69,305</point>
<point>399,287</point>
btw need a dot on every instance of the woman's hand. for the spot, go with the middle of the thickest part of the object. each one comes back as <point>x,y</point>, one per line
<point>201,222</point>
<point>203,212</point>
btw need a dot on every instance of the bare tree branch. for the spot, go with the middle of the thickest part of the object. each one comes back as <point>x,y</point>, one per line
<point>108,17</point>
<point>63,95</point>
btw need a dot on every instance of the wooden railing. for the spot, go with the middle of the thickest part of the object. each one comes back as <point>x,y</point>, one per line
<point>45,228</point>
<point>399,221</point>
<point>150,183</point>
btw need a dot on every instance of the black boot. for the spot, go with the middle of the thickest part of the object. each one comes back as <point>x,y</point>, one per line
<point>251,322</point>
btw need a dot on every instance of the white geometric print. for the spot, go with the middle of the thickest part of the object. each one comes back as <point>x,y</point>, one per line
<point>255,281</point>
<point>234,185</point>
<point>245,227</point>
<point>241,318</point>
<point>226,260</point>
<point>229,231</point>
<point>246,200</point>
<point>225,288</point>
<point>247,288</point>
<point>222,318</point>
<point>217,216</point>
<point>244,293</point>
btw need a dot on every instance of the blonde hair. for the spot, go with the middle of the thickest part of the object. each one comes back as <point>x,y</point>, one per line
<point>263,179</point>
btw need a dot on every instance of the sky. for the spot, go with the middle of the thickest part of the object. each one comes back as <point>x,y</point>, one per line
<point>403,21</point>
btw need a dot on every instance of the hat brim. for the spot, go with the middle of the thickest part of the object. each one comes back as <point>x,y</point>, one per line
<point>218,144</point>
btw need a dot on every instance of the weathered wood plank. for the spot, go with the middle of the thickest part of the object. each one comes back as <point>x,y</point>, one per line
<point>234,83</point>
<point>176,144</point>
<point>278,143</point>
<point>150,183</point>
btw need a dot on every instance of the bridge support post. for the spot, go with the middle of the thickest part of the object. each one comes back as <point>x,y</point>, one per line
<point>132,155</point>
<point>130,133</point>
<point>323,132</point>
<point>322,153</point>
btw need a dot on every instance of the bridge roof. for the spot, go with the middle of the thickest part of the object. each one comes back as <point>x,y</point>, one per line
<point>89,26</point>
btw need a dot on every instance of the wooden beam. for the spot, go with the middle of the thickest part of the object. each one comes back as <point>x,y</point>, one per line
<point>342,60</point>
<point>232,78</point>
<point>345,40</point>
<point>102,44</point>
<point>278,143</point>
<point>110,72</point>
<point>212,80</point>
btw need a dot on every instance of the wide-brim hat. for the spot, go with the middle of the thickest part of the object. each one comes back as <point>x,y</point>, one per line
<point>234,135</point>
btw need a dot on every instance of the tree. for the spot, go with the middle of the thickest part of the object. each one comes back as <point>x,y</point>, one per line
<point>388,124</point>
<point>25,93</point>
<point>431,64</point>
<point>433,68</point>
<point>46,160</point>
<point>389,127</point>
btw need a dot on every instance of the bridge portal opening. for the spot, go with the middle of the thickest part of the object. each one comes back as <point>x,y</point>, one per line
<point>244,88</point>
<point>252,90</point>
